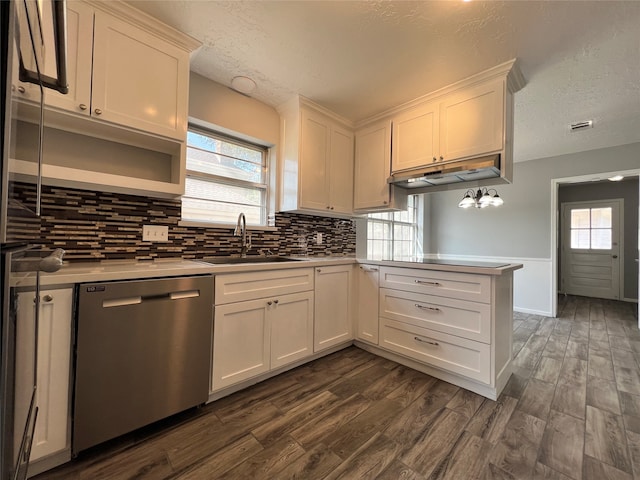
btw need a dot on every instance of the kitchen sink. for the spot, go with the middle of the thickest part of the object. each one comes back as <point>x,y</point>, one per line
<point>249,259</point>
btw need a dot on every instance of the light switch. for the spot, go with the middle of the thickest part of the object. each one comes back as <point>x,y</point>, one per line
<point>155,233</point>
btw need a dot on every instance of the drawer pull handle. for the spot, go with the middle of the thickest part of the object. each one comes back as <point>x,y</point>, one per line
<point>424,307</point>
<point>423,282</point>
<point>368,269</point>
<point>421,340</point>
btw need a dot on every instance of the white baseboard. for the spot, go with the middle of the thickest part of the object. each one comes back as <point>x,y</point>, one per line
<point>532,311</point>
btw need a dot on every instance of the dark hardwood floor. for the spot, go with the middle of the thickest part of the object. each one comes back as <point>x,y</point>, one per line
<point>570,411</point>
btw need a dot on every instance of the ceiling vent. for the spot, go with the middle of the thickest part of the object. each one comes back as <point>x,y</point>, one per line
<point>574,127</point>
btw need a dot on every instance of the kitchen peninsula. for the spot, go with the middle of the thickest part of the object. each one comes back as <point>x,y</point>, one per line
<point>450,318</point>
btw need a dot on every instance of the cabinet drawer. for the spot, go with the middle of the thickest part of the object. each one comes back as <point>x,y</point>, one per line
<point>454,354</point>
<point>463,286</point>
<point>457,317</point>
<point>238,287</point>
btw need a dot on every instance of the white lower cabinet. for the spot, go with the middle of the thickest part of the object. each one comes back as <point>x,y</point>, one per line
<point>291,320</point>
<point>254,336</point>
<point>333,306</point>
<point>240,342</point>
<point>367,306</point>
<point>454,326</point>
<point>453,354</point>
<point>54,366</point>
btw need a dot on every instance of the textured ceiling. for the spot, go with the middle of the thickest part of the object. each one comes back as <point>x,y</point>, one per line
<point>581,60</point>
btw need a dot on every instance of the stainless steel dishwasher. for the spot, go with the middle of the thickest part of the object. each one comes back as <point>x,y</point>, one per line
<point>143,352</point>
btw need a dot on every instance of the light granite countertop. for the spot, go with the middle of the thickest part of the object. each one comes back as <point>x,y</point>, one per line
<point>85,272</point>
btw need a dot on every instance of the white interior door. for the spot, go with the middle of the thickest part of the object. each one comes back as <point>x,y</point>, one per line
<point>591,248</point>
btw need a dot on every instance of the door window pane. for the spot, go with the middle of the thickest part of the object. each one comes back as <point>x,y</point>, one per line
<point>591,228</point>
<point>580,238</point>
<point>580,218</point>
<point>601,217</point>
<point>601,239</point>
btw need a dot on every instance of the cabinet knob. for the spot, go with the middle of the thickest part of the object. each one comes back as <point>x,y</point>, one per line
<point>435,159</point>
<point>318,270</point>
<point>328,207</point>
<point>82,106</point>
<point>276,301</point>
<point>385,202</point>
<point>97,111</point>
<point>269,303</point>
<point>21,89</point>
<point>47,298</point>
<point>331,208</point>
<point>441,157</point>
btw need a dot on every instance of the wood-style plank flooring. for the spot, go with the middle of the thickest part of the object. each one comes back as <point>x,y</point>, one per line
<point>570,411</point>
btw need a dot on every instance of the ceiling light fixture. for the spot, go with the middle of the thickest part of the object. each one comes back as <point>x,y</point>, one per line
<point>616,178</point>
<point>243,85</point>
<point>481,199</point>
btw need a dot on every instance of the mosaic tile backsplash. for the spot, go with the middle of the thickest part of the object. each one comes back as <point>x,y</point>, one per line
<point>94,226</point>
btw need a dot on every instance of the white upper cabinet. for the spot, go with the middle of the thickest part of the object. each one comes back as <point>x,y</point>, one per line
<point>415,137</point>
<point>472,121</point>
<point>317,160</point>
<point>371,192</point>
<point>465,123</point>
<point>121,73</point>
<point>139,79</point>
<point>471,118</point>
<point>122,126</point>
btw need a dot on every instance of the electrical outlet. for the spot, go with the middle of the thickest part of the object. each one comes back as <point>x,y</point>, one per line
<point>318,238</point>
<point>155,233</point>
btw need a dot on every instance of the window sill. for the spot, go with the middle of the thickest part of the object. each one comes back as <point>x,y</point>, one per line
<point>231,226</point>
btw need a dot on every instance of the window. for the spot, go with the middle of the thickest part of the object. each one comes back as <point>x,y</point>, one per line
<point>225,176</point>
<point>393,235</point>
<point>591,228</point>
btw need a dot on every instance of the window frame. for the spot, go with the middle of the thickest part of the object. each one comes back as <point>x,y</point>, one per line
<point>417,226</point>
<point>265,187</point>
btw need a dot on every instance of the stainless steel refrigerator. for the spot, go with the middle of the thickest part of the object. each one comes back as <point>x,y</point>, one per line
<point>30,31</point>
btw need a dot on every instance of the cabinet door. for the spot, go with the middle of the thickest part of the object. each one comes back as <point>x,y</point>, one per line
<point>332,322</point>
<point>372,167</point>
<point>472,121</point>
<point>367,306</point>
<point>415,137</point>
<point>341,171</point>
<point>314,165</point>
<point>240,342</point>
<point>139,80</point>
<point>54,366</point>
<point>291,319</point>
<point>79,50</point>
<point>79,53</point>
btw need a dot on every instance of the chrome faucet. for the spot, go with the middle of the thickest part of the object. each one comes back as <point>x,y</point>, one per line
<point>241,231</point>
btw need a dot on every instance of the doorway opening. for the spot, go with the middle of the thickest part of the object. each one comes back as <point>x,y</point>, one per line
<point>591,248</point>
<point>589,187</point>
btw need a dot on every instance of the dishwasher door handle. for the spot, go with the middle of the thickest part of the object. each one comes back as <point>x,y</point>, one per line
<point>185,294</point>
<point>121,302</point>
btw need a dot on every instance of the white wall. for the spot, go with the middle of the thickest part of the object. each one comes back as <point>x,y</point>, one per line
<point>520,230</point>
<point>221,107</point>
